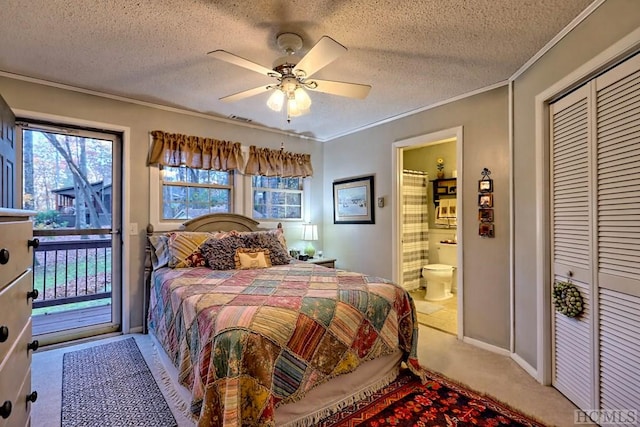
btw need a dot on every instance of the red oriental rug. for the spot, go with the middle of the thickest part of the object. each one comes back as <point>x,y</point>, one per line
<point>438,402</point>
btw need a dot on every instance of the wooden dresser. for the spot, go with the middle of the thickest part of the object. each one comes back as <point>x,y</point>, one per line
<point>16,295</point>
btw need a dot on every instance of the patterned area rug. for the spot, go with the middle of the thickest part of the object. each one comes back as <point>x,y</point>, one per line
<point>111,385</point>
<point>440,402</point>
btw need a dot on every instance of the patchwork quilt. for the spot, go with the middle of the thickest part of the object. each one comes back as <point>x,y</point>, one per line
<point>247,341</point>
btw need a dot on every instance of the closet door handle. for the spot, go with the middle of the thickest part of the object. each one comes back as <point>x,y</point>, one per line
<point>34,243</point>
<point>32,397</point>
<point>4,333</point>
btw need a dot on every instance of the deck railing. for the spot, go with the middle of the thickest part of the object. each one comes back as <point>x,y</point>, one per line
<point>71,269</point>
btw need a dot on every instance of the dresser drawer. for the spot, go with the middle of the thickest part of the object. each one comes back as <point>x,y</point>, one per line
<point>20,408</point>
<point>14,368</point>
<point>16,309</point>
<point>13,242</point>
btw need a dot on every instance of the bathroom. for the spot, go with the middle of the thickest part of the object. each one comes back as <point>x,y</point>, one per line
<point>437,305</point>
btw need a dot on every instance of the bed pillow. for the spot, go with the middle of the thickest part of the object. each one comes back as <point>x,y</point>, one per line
<point>268,240</point>
<point>220,253</point>
<point>159,250</point>
<point>250,258</point>
<point>184,248</point>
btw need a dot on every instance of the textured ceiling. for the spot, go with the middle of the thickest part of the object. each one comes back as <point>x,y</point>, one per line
<point>413,53</point>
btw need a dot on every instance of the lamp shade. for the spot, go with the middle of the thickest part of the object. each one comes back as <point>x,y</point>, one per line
<point>276,100</point>
<point>309,232</point>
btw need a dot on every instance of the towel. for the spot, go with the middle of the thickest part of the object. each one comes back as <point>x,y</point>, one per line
<point>440,220</point>
<point>453,211</point>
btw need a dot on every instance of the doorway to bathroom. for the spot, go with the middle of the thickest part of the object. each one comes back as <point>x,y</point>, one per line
<point>428,236</point>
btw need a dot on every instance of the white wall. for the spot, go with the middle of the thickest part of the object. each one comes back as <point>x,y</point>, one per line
<point>610,22</point>
<point>41,99</point>
<point>367,248</point>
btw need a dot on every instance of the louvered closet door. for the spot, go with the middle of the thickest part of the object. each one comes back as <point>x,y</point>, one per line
<point>572,222</point>
<point>618,234</point>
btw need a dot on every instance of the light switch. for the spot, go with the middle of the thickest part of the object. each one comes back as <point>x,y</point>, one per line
<point>381,202</point>
<point>133,229</point>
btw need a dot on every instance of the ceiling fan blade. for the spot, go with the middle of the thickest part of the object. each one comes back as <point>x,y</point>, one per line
<point>322,53</point>
<point>246,93</point>
<point>223,55</point>
<point>351,90</point>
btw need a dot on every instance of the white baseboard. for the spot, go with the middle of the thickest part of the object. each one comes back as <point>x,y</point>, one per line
<point>489,347</point>
<point>526,366</point>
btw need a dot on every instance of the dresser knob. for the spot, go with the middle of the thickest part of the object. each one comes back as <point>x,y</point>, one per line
<point>5,409</point>
<point>33,345</point>
<point>4,256</point>
<point>32,397</point>
<point>34,243</point>
<point>4,333</point>
<point>33,294</point>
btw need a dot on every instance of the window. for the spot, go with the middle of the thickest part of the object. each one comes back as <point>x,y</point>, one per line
<point>277,198</point>
<point>188,193</point>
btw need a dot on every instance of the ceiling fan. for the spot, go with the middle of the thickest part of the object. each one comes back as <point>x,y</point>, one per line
<point>293,75</point>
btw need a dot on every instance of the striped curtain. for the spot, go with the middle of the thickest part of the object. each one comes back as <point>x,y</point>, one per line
<point>415,227</point>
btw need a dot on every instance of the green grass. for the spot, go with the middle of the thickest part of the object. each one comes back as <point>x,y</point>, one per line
<point>86,266</point>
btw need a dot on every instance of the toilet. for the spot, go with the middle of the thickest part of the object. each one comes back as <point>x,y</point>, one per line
<point>439,277</point>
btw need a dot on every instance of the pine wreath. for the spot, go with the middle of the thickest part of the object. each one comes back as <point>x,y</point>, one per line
<point>567,299</point>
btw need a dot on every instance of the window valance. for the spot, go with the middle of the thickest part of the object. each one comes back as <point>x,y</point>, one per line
<point>174,149</point>
<point>269,162</point>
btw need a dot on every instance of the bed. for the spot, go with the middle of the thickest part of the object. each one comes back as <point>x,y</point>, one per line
<point>266,340</point>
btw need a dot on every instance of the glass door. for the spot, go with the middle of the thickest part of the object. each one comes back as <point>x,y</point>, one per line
<point>71,178</point>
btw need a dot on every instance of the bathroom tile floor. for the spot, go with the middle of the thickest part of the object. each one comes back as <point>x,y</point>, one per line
<point>445,320</point>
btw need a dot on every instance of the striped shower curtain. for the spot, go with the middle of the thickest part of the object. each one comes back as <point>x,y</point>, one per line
<point>415,227</point>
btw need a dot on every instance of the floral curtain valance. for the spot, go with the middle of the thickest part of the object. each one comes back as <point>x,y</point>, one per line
<point>268,162</point>
<point>174,149</point>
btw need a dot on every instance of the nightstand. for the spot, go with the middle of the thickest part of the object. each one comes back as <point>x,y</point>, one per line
<point>325,262</point>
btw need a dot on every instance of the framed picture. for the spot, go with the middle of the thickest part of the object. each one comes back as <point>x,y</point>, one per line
<point>485,200</point>
<point>352,201</point>
<point>485,215</point>
<point>486,230</point>
<point>485,186</point>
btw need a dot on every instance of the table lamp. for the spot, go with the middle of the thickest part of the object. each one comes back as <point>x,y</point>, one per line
<point>309,233</point>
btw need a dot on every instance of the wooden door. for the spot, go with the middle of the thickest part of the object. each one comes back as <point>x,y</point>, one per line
<point>7,156</point>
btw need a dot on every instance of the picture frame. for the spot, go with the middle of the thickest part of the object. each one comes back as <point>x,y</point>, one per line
<point>353,201</point>
<point>485,215</point>
<point>485,200</point>
<point>485,186</point>
<point>486,230</point>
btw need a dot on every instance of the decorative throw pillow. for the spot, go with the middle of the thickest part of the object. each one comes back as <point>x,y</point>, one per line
<point>184,249</point>
<point>159,250</point>
<point>267,240</point>
<point>250,258</point>
<point>220,253</point>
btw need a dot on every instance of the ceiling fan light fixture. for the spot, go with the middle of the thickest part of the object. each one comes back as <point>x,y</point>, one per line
<point>276,100</point>
<point>302,99</point>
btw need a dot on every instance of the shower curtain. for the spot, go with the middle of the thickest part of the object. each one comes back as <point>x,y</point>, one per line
<point>415,227</point>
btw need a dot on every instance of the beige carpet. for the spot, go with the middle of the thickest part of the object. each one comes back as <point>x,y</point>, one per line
<point>481,370</point>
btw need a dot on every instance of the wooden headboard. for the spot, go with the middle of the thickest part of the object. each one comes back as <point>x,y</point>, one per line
<point>208,222</point>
